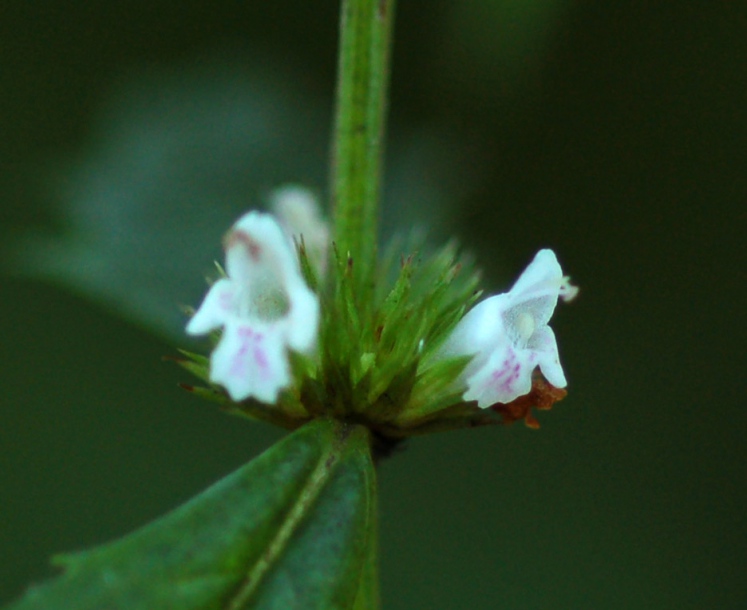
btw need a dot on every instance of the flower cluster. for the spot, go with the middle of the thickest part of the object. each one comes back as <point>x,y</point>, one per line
<point>404,364</point>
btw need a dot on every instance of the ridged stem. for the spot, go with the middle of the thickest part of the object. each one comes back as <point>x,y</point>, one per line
<point>358,139</point>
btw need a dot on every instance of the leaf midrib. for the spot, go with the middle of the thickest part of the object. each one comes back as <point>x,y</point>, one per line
<point>297,513</point>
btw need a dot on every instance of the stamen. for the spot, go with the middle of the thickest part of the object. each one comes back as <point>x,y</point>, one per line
<point>524,327</point>
<point>567,292</point>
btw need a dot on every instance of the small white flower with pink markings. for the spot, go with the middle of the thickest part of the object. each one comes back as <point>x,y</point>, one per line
<point>509,336</point>
<point>264,307</point>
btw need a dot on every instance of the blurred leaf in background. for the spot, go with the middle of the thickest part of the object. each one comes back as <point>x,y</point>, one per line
<point>178,154</point>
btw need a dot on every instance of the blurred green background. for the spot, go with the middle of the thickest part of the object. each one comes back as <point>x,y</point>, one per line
<point>133,133</point>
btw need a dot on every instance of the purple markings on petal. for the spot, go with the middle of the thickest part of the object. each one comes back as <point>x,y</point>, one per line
<point>251,352</point>
<point>239,364</point>
<point>505,377</point>
<point>260,357</point>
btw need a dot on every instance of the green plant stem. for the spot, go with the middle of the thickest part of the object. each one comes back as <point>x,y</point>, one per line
<point>358,139</point>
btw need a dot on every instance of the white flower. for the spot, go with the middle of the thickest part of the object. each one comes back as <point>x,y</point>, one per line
<point>299,214</point>
<point>509,336</point>
<point>264,307</point>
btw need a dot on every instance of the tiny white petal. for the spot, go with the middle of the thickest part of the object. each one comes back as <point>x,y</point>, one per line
<point>215,309</point>
<point>257,250</point>
<point>541,277</point>
<point>302,319</point>
<point>480,329</point>
<point>505,376</point>
<point>545,346</point>
<point>250,361</point>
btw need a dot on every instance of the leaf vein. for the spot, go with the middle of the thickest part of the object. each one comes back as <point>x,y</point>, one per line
<point>295,516</point>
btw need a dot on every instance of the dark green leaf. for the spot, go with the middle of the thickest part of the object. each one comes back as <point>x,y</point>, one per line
<point>291,529</point>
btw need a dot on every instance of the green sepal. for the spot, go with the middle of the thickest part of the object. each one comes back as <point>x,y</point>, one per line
<point>307,269</point>
<point>291,529</point>
<point>209,394</point>
<point>435,389</point>
<point>428,298</point>
<point>196,364</point>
